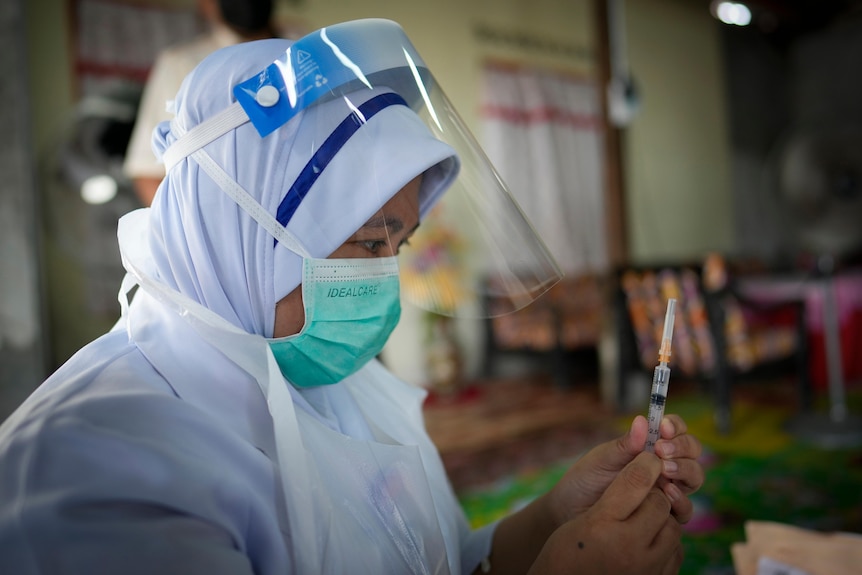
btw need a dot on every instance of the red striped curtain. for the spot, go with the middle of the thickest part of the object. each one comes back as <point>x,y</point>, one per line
<point>543,132</point>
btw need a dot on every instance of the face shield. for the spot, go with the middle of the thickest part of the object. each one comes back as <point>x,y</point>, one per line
<point>352,116</point>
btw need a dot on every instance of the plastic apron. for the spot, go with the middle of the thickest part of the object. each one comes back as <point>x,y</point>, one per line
<point>352,506</point>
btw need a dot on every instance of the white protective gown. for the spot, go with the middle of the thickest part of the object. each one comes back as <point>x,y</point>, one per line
<point>174,445</point>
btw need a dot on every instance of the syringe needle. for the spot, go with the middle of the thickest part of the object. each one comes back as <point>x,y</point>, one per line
<point>660,379</point>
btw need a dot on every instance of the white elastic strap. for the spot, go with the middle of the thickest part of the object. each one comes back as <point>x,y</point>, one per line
<point>128,283</point>
<point>249,204</point>
<point>228,119</point>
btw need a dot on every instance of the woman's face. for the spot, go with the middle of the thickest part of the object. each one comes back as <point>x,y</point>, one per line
<point>381,236</point>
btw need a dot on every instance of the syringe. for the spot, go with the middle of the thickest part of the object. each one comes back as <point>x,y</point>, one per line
<point>660,379</point>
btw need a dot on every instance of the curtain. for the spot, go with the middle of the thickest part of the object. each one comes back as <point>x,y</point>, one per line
<point>542,130</point>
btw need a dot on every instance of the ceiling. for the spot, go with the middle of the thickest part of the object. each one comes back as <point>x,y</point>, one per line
<point>784,20</point>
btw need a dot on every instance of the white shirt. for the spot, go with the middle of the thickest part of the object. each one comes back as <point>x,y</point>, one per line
<point>170,68</point>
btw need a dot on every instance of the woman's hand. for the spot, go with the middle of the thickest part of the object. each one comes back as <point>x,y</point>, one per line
<point>617,510</point>
<point>681,474</point>
<point>628,529</point>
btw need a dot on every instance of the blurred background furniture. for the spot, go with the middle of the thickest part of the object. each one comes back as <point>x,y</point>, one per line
<point>753,337</point>
<point>557,330</point>
<point>721,338</point>
<point>833,331</point>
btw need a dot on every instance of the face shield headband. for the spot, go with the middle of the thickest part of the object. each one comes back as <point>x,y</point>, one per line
<point>494,248</point>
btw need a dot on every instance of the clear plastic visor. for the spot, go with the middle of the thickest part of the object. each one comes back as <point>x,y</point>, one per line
<point>474,243</point>
<point>384,162</point>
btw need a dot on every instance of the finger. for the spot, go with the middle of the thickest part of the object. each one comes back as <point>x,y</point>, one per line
<point>681,506</point>
<point>667,535</point>
<point>672,425</point>
<point>652,514</point>
<point>682,446</point>
<point>630,487</point>
<point>674,563</point>
<point>633,442</point>
<point>687,474</point>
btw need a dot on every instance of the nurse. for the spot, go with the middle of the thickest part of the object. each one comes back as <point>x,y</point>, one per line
<point>236,419</point>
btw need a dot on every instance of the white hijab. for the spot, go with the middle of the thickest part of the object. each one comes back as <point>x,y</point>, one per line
<point>208,248</point>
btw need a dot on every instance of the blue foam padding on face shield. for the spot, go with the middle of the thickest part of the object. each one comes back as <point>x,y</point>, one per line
<point>333,60</point>
<point>321,158</point>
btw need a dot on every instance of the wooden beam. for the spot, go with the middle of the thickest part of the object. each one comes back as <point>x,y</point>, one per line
<point>615,207</point>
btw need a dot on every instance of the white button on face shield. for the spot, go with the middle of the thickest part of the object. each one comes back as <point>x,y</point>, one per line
<point>367,117</point>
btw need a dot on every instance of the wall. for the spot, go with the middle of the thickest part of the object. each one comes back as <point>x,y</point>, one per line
<point>676,167</point>
<point>676,151</point>
<point>443,33</point>
<point>22,349</point>
<point>759,112</point>
<point>805,84</point>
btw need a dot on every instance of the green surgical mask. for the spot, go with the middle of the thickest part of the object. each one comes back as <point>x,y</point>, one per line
<point>351,307</point>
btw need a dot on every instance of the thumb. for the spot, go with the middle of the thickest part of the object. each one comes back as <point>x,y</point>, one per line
<point>633,442</point>
<point>629,489</point>
<point>617,453</point>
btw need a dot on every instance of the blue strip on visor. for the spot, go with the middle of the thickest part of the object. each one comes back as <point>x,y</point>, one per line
<point>328,149</point>
<point>332,61</point>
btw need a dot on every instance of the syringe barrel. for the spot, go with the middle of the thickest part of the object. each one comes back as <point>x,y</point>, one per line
<point>658,396</point>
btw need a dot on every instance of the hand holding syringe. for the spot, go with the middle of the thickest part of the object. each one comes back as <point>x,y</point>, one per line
<point>660,379</point>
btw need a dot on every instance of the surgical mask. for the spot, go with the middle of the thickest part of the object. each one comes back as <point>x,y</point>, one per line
<point>351,307</point>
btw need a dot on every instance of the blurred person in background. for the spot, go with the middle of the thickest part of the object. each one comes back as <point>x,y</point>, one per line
<point>229,22</point>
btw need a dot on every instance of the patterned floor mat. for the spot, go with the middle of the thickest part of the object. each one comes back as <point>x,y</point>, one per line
<point>758,471</point>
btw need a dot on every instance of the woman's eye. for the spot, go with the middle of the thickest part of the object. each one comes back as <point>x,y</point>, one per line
<point>373,246</point>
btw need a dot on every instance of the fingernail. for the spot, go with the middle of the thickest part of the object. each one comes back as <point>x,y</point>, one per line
<point>670,466</point>
<point>673,492</point>
<point>666,448</point>
<point>667,424</point>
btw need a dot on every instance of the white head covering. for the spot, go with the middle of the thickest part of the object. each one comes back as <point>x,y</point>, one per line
<point>210,249</point>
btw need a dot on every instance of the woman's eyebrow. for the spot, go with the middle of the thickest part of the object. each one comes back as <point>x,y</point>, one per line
<point>393,224</point>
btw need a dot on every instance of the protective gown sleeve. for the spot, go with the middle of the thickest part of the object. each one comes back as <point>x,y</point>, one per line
<point>130,483</point>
